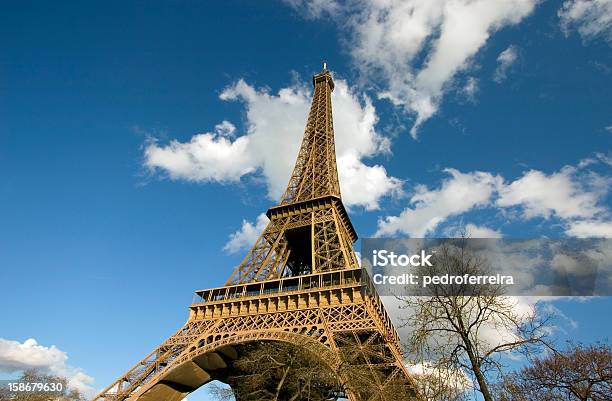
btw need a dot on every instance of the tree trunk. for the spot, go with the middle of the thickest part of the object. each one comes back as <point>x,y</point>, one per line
<point>482,382</point>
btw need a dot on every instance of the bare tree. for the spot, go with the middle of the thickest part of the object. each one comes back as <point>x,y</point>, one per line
<point>579,373</point>
<point>269,371</point>
<point>452,325</point>
<point>36,376</point>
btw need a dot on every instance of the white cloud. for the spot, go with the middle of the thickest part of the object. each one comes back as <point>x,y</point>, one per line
<point>247,235</point>
<point>275,125</point>
<point>430,207</point>
<point>592,18</point>
<point>16,356</point>
<point>504,61</point>
<point>365,185</point>
<point>470,230</point>
<point>590,228</point>
<point>572,195</point>
<point>206,157</point>
<point>563,263</point>
<point>542,195</point>
<point>475,231</point>
<point>414,48</point>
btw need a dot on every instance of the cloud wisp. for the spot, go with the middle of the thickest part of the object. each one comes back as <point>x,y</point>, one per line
<point>591,18</point>
<point>504,61</point>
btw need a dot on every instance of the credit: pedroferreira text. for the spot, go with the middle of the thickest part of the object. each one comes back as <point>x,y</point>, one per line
<point>446,279</point>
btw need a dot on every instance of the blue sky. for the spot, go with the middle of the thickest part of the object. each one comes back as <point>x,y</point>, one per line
<point>140,141</point>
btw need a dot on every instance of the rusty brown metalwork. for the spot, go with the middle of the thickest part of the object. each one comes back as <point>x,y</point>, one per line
<point>300,283</point>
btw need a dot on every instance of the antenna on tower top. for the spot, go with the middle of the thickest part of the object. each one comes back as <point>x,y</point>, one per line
<point>324,65</point>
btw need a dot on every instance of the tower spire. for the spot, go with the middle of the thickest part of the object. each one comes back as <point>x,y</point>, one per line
<point>315,173</point>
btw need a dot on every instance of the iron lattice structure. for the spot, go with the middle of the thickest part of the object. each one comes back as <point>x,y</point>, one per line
<point>300,283</point>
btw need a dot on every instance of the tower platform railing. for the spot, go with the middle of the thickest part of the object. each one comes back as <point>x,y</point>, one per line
<point>315,281</point>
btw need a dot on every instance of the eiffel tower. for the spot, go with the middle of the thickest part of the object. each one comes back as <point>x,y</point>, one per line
<point>301,283</point>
